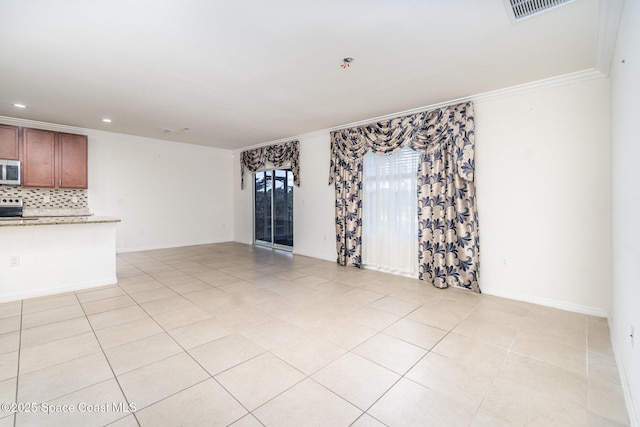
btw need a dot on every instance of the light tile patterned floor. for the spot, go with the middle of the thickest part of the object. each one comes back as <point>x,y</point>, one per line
<point>231,334</point>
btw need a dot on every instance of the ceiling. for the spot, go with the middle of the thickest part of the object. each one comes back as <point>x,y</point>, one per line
<point>244,72</point>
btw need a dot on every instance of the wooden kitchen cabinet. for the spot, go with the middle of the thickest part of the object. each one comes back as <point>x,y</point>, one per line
<point>72,161</point>
<point>38,158</point>
<point>53,160</point>
<point>9,142</point>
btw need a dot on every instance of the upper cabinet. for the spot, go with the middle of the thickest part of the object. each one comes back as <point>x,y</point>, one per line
<point>38,158</point>
<point>72,161</point>
<point>9,142</point>
<point>53,160</point>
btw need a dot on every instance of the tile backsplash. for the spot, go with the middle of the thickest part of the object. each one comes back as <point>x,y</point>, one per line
<point>49,201</point>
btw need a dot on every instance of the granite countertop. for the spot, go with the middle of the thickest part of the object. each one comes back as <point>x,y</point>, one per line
<point>56,220</point>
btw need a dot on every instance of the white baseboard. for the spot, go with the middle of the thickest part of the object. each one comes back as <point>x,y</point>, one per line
<point>167,246</point>
<point>548,302</point>
<point>315,255</point>
<point>47,292</point>
<point>634,420</point>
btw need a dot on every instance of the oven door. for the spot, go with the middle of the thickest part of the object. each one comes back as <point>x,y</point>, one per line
<point>10,212</point>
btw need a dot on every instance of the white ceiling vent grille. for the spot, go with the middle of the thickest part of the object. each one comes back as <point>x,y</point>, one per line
<point>521,9</point>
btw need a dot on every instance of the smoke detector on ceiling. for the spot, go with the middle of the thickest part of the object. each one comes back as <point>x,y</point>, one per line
<point>346,62</point>
<point>522,9</point>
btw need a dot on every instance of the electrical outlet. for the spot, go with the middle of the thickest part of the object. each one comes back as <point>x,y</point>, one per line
<point>14,261</point>
<point>504,261</point>
<point>46,198</point>
<point>74,199</point>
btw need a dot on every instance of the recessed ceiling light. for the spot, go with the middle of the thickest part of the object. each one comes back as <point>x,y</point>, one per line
<point>19,105</point>
<point>106,120</point>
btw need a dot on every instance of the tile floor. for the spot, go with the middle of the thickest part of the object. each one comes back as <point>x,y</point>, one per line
<point>230,334</point>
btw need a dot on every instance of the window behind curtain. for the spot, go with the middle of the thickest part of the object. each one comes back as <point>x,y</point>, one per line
<point>389,217</point>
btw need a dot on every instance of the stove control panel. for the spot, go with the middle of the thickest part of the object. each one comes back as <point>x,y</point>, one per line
<point>11,201</point>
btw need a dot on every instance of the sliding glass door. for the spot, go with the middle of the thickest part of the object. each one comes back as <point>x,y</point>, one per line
<point>273,208</point>
<point>262,207</point>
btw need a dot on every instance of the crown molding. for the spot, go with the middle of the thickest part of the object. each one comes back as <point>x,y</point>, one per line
<point>608,24</point>
<point>578,76</point>
<point>564,79</point>
<point>14,121</point>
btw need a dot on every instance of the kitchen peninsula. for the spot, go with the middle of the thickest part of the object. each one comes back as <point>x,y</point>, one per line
<point>49,241</point>
<point>49,255</point>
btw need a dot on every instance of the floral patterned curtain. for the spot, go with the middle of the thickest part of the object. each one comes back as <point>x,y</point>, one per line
<point>447,214</point>
<point>348,147</point>
<point>348,186</point>
<point>278,155</point>
<point>449,245</point>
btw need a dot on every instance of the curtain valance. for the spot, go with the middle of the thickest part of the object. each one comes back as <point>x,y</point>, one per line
<point>278,155</point>
<point>423,132</point>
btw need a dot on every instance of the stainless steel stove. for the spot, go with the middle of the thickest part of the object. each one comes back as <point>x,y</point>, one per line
<point>11,207</point>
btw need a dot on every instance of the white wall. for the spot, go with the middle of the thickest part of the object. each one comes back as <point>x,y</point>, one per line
<point>625,153</point>
<point>56,258</point>
<point>166,193</point>
<point>542,171</point>
<point>242,204</point>
<point>313,201</point>
<point>543,183</point>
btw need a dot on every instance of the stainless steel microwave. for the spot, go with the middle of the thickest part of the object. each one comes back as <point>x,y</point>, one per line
<point>10,172</point>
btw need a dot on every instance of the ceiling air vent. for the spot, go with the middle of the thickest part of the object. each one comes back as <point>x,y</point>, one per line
<point>521,9</point>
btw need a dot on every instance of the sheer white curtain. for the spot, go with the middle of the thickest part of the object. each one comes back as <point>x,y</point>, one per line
<point>390,212</point>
